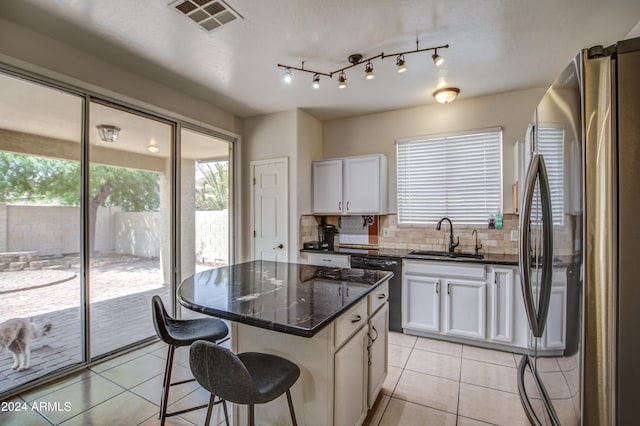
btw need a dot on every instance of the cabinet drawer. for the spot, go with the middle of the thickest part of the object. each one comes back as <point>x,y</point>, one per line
<point>350,322</point>
<point>378,297</point>
<point>334,260</point>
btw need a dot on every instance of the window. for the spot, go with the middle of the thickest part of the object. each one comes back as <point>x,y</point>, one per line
<point>459,177</point>
<point>551,145</point>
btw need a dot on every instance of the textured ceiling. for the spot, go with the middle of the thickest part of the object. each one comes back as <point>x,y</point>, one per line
<point>495,46</point>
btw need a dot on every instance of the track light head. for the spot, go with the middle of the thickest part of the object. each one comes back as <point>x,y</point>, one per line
<point>402,67</point>
<point>342,80</point>
<point>368,72</point>
<point>437,59</point>
<point>287,76</point>
<point>316,81</point>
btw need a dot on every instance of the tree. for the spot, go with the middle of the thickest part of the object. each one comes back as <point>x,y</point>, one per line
<point>28,179</point>
<point>212,186</point>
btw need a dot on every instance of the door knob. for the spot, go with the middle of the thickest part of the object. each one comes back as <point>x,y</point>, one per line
<point>279,246</point>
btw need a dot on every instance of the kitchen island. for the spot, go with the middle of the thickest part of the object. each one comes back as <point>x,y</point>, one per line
<point>332,322</point>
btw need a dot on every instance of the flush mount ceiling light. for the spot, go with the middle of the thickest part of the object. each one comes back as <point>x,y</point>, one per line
<point>153,148</point>
<point>108,133</point>
<point>446,94</point>
<point>357,59</point>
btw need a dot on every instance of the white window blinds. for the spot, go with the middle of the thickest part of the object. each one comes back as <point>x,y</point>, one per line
<point>459,177</point>
<point>551,145</point>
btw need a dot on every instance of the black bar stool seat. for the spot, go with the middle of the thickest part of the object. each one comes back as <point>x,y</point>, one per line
<point>178,333</point>
<point>247,378</point>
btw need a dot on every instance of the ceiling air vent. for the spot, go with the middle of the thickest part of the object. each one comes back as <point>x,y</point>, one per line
<point>208,14</point>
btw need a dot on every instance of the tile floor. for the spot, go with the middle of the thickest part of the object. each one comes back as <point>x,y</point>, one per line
<point>430,382</point>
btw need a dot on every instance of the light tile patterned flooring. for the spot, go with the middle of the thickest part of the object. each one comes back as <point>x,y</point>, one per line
<point>430,382</point>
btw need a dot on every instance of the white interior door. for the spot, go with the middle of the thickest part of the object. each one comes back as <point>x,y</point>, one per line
<point>270,210</point>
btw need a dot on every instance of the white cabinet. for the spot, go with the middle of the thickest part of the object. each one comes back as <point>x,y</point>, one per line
<point>421,302</point>
<point>444,298</point>
<point>554,336</point>
<point>329,259</point>
<point>351,185</point>
<point>327,186</point>
<point>350,397</point>
<point>501,283</point>
<point>465,308</point>
<point>378,353</point>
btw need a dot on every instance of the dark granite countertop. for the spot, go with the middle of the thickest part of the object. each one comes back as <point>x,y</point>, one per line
<point>488,258</point>
<point>287,297</point>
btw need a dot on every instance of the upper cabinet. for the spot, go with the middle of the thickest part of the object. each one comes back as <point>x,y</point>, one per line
<point>351,185</point>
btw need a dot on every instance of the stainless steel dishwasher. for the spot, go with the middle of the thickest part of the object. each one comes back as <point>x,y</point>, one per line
<point>393,264</point>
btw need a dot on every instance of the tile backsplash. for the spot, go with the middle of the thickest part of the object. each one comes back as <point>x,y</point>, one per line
<point>354,230</point>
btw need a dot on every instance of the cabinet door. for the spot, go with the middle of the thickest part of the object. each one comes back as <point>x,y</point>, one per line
<point>377,352</point>
<point>327,186</point>
<point>350,376</point>
<point>465,308</point>
<point>362,185</point>
<point>421,303</point>
<point>501,286</point>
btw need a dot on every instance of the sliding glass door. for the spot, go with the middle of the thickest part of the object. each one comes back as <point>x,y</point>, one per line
<point>129,224</point>
<point>40,231</point>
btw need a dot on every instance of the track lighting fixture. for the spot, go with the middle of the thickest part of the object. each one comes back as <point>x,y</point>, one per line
<point>368,72</point>
<point>288,75</point>
<point>342,80</point>
<point>402,67</point>
<point>437,59</point>
<point>357,59</point>
<point>446,94</point>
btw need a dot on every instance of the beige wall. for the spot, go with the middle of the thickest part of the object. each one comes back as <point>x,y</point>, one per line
<point>376,133</point>
<point>293,134</point>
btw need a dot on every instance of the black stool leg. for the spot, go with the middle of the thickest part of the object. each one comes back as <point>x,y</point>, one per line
<point>226,414</point>
<point>293,414</point>
<point>252,420</point>
<point>166,385</point>
<point>207,420</point>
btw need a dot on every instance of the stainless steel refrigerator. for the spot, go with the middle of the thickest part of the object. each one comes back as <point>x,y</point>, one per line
<point>580,244</point>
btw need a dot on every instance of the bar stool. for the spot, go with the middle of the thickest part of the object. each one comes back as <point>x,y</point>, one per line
<point>247,378</point>
<point>177,333</point>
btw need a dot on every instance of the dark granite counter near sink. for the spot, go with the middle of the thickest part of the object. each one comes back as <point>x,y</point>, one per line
<point>286,297</point>
<point>489,258</point>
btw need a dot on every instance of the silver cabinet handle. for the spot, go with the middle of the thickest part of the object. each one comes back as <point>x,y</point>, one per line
<point>537,317</point>
<point>340,205</point>
<point>448,288</point>
<point>348,205</point>
<point>382,296</point>
<point>495,278</point>
<point>437,287</point>
<point>356,319</point>
<point>279,246</point>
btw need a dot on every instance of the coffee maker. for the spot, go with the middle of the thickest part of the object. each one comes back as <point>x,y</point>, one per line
<point>326,235</point>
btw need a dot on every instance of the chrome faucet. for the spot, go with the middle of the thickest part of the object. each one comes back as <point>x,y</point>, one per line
<point>452,245</point>
<point>477,247</point>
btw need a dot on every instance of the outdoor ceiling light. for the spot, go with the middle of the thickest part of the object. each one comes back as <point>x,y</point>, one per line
<point>446,95</point>
<point>368,72</point>
<point>402,67</point>
<point>108,133</point>
<point>357,59</point>
<point>288,75</point>
<point>437,59</point>
<point>342,80</point>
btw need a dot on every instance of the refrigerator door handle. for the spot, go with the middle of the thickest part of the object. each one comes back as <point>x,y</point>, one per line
<point>524,398</point>
<point>536,317</point>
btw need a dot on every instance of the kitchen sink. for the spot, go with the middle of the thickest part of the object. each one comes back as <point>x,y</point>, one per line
<point>453,255</point>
